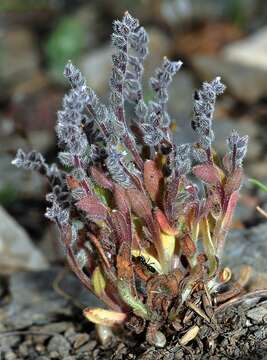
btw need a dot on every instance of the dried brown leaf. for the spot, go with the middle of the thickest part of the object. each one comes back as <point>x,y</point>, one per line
<point>188,247</point>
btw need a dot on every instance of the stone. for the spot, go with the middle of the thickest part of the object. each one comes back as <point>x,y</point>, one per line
<point>258,281</point>
<point>223,128</point>
<point>258,314</point>
<point>96,67</point>
<point>80,339</point>
<point>7,342</point>
<point>59,344</point>
<point>57,327</point>
<point>242,65</point>
<point>88,347</point>
<point>97,64</point>
<point>159,46</point>
<point>180,97</point>
<point>17,252</point>
<point>247,247</point>
<point>181,11</point>
<point>250,51</point>
<point>50,244</point>
<point>17,44</point>
<point>10,355</point>
<point>34,300</point>
<point>16,182</point>
<point>257,169</point>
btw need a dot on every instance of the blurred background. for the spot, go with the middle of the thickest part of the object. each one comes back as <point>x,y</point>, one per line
<point>211,37</point>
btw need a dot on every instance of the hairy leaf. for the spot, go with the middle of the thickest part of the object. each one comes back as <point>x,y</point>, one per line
<point>100,178</point>
<point>93,207</point>
<point>234,182</point>
<point>121,228</point>
<point>135,303</point>
<point>121,202</point>
<point>207,173</point>
<point>153,178</point>
<point>230,210</point>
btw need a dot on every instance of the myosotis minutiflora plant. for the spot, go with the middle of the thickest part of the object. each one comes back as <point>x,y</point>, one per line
<point>143,221</point>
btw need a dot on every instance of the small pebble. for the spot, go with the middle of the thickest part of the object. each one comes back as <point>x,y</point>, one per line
<point>7,342</point>
<point>40,348</point>
<point>88,347</point>
<point>80,339</point>
<point>10,355</point>
<point>23,349</point>
<point>60,344</point>
<point>53,355</point>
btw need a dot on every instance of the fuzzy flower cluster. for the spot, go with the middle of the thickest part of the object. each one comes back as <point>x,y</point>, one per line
<point>137,230</point>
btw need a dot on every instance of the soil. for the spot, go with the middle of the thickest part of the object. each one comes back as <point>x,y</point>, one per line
<point>47,324</point>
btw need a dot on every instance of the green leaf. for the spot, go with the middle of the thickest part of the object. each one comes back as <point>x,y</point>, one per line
<point>258,184</point>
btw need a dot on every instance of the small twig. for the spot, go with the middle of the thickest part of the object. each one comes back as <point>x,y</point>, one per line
<point>197,310</point>
<point>261,211</point>
<point>26,332</point>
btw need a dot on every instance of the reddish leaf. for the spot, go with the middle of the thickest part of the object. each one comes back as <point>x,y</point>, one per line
<point>93,207</point>
<point>170,196</point>
<point>234,181</point>
<point>207,173</point>
<point>124,263</point>
<point>163,223</point>
<point>72,182</point>
<point>140,204</point>
<point>100,178</point>
<point>121,228</point>
<point>188,247</point>
<point>122,202</point>
<point>153,178</point>
<point>230,210</point>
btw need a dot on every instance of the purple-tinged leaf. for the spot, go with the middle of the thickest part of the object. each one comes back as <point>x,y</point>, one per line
<point>122,202</point>
<point>100,178</point>
<point>170,197</point>
<point>140,204</point>
<point>121,228</point>
<point>230,210</point>
<point>94,209</point>
<point>207,173</point>
<point>153,178</point>
<point>234,181</point>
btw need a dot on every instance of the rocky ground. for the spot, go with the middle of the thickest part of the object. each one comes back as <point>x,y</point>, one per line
<point>39,317</point>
